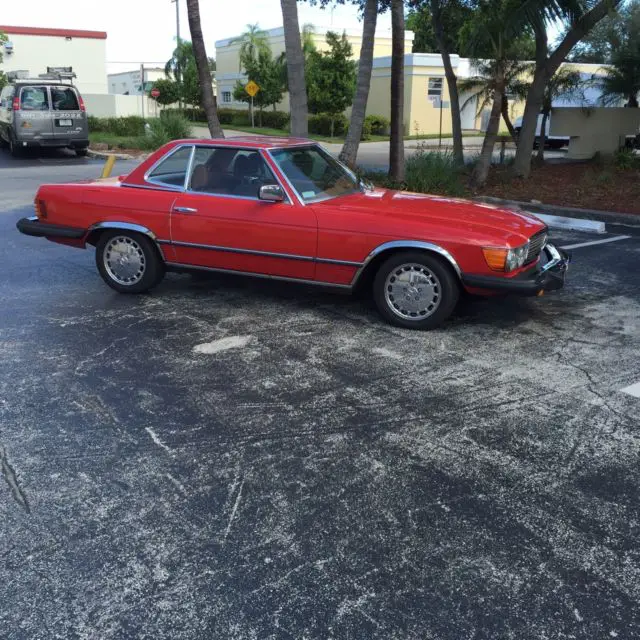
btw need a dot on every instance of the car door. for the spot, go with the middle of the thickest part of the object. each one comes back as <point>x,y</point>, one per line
<point>32,122</point>
<point>220,222</point>
<point>68,119</point>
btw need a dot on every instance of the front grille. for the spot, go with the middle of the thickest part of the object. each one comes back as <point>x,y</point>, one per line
<point>536,243</point>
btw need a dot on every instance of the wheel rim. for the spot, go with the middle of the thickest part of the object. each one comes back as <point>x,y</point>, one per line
<point>412,291</point>
<point>124,260</point>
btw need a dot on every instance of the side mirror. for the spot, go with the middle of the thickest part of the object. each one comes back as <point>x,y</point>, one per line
<point>271,193</point>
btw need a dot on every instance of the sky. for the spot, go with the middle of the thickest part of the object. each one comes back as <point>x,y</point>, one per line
<point>143,31</point>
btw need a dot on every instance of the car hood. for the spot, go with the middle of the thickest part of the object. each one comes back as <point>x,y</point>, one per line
<point>411,211</point>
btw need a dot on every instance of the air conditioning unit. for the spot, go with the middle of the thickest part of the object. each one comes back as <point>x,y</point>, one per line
<point>8,47</point>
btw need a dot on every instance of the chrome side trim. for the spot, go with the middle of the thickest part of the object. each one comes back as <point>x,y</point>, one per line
<point>256,252</point>
<point>406,244</point>
<point>127,226</point>
<point>190,267</point>
<point>153,188</point>
<point>187,176</point>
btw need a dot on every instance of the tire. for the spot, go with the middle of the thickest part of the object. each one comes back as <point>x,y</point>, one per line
<point>14,149</point>
<point>81,153</point>
<point>142,268</point>
<point>432,304</point>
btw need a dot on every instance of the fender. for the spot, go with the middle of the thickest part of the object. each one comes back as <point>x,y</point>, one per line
<point>406,244</point>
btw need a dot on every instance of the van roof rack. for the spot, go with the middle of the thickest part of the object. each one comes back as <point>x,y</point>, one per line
<point>54,74</point>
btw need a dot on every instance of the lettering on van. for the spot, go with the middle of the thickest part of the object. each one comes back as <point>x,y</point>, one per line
<point>51,115</point>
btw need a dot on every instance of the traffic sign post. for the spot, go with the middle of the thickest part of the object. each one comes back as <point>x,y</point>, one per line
<point>252,89</point>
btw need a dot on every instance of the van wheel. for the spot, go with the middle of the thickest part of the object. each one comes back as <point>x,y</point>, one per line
<point>81,153</point>
<point>14,149</point>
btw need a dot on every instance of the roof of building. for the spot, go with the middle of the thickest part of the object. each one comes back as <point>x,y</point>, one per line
<point>62,33</point>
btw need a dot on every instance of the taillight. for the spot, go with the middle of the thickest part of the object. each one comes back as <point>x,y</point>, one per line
<point>41,208</point>
<point>81,103</point>
<point>16,103</point>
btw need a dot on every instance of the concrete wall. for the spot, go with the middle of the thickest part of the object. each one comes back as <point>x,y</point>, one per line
<point>593,130</point>
<point>104,105</point>
<point>34,53</point>
<point>128,82</point>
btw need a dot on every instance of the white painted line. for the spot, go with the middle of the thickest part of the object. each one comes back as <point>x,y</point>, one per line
<point>575,224</point>
<point>589,244</point>
<point>633,390</point>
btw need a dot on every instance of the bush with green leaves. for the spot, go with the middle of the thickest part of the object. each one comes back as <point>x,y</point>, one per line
<point>626,159</point>
<point>378,125</point>
<point>433,172</point>
<point>131,126</point>
<point>176,125</point>
<point>275,119</point>
<point>320,124</point>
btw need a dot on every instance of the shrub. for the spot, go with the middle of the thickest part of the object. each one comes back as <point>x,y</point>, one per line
<point>366,130</point>
<point>378,125</point>
<point>275,119</point>
<point>157,134</point>
<point>320,124</point>
<point>175,125</point>
<point>131,126</point>
<point>626,159</point>
<point>431,172</point>
<point>241,118</point>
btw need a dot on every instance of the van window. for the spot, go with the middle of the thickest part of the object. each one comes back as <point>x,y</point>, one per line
<point>34,99</point>
<point>64,99</point>
<point>6,97</point>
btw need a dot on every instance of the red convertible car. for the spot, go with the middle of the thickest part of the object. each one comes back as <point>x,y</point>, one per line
<point>285,209</point>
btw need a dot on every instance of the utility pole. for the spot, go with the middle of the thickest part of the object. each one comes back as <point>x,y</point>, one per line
<point>178,74</point>
<point>142,88</point>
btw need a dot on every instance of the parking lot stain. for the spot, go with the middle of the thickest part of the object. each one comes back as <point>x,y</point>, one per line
<point>231,342</point>
<point>12,480</point>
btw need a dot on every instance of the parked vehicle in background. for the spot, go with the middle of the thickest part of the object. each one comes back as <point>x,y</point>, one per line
<point>555,142</point>
<point>285,209</point>
<point>42,112</point>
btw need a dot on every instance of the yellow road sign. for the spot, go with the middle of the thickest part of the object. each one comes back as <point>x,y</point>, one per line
<point>251,88</point>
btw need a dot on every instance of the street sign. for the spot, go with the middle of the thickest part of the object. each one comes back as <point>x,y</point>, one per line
<point>251,88</point>
<point>155,93</point>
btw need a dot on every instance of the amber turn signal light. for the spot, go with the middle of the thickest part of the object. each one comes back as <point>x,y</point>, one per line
<point>495,258</point>
<point>41,208</point>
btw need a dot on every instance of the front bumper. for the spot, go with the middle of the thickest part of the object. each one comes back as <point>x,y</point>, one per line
<point>548,275</point>
<point>32,226</point>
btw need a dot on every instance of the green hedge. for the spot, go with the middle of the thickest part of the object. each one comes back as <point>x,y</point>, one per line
<point>377,125</point>
<point>320,124</point>
<point>128,126</point>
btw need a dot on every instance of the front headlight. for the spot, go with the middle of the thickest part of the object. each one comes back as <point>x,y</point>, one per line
<point>516,257</point>
<point>506,259</point>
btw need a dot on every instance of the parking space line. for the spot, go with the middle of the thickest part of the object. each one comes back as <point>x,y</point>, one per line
<point>588,244</point>
<point>633,390</point>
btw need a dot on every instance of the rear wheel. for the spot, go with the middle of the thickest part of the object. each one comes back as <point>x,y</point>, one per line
<point>128,262</point>
<point>14,149</point>
<point>81,152</point>
<point>415,290</point>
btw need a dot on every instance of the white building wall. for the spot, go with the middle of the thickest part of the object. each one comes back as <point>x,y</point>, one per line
<point>128,82</point>
<point>34,53</point>
<point>104,105</point>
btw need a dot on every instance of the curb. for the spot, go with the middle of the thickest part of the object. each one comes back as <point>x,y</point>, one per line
<point>103,155</point>
<point>569,213</point>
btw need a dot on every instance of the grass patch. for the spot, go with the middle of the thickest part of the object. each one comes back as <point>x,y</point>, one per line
<point>115,142</point>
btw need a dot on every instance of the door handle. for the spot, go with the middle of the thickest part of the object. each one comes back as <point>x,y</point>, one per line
<point>185,210</point>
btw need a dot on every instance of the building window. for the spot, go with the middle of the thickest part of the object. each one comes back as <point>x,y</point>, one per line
<point>226,96</point>
<point>435,88</point>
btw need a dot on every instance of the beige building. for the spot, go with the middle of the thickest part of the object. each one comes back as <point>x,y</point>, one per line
<point>427,108</point>
<point>34,49</point>
<point>228,69</point>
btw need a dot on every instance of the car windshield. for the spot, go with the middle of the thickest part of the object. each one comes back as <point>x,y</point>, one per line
<point>314,174</point>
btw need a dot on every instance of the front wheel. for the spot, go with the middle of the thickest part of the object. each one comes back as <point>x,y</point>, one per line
<point>415,290</point>
<point>128,262</point>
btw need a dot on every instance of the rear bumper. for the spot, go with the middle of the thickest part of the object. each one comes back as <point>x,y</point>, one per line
<point>53,143</point>
<point>33,227</point>
<point>548,275</point>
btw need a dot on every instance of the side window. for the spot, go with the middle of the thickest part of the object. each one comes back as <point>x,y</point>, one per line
<point>34,99</point>
<point>235,172</point>
<point>5,101</point>
<point>172,171</point>
<point>64,99</point>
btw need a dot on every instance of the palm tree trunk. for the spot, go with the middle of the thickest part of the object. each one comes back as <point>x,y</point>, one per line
<point>452,81</point>
<point>396,143</point>
<point>507,118</point>
<point>349,152</point>
<point>295,69</point>
<point>204,73</point>
<point>481,170</point>
<point>543,136</point>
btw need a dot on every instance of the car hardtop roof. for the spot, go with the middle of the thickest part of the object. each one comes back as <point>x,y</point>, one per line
<point>254,142</point>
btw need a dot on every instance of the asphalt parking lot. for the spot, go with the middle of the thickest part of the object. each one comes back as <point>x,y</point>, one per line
<point>227,458</point>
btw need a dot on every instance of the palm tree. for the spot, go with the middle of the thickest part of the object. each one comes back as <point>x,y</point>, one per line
<point>480,87</point>
<point>349,151</point>
<point>621,81</point>
<point>295,69</point>
<point>253,42</point>
<point>396,143</point>
<point>565,84</point>
<point>204,71</point>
